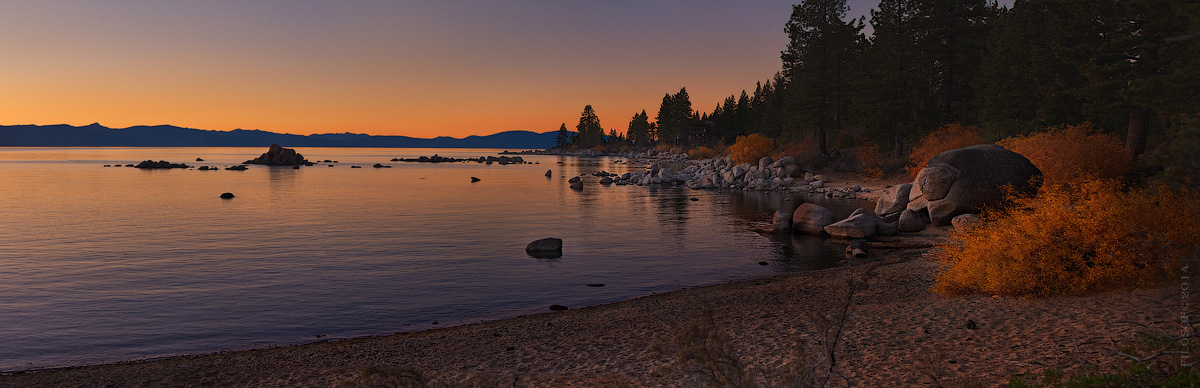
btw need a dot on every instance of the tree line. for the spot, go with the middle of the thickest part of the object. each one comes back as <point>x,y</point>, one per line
<point>1127,66</point>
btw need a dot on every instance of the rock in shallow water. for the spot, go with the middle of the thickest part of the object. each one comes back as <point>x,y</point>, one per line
<point>811,218</point>
<point>227,195</point>
<point>546,248</point>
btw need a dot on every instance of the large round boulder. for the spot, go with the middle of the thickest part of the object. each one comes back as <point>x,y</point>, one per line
<point>911,221</point>
<point>965,180</point>
<point>811,218</point>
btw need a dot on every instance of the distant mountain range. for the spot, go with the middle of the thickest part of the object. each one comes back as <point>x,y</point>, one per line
<point>97,135</point>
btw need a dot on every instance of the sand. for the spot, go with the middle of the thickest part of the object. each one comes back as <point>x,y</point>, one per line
<point>896,334</point>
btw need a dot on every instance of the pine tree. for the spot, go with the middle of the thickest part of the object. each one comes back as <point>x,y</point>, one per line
<point>591,133</point>
<point>821,48</point>
<point>639,129</point>
<point>564,137</point>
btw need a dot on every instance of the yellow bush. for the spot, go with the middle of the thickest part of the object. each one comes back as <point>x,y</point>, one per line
<point>750,148</point>
<point>1094,236</point>
<point>701,152</point>
<point>948,137</point>
<point>1067,153</point>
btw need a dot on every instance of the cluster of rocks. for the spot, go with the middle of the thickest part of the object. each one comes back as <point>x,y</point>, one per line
<point>501,160</point>
<point>810,218</point>
<point>118,165</point>
<point>279,156</point>
<point>160,164</point>
<point>957,182</point>
<point>954,185</point>
<point>721,173</point>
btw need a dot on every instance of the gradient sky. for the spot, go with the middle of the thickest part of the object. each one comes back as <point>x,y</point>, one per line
<point>414,68</point>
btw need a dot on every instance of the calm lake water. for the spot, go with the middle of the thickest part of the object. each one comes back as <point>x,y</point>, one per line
<point>104,264</point>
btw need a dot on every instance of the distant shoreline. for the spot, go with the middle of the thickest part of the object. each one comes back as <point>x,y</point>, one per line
<point>96,135</point>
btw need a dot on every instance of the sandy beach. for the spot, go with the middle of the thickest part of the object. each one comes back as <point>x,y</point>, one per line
<point>896,334</point>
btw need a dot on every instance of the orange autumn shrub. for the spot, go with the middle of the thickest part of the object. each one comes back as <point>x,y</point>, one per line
<point>701,152</point>
<point>948,137</point>
<point>1097,235</point>
<point>750,148</point>
<point>871,159</point>
<point>1067,153</point>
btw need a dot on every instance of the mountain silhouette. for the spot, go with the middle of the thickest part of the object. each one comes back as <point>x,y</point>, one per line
<point>96,135</point>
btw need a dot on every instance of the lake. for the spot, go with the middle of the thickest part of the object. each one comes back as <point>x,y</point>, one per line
<point>101,264</point>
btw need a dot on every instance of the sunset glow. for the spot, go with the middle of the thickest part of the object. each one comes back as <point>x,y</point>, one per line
<point>412,68</point>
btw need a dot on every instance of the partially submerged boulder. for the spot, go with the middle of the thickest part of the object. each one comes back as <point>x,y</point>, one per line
<point>546,248</point>
<point>967,179</point>
<point>781,220</point>
<point>811,218</point>
<point>279,156</point>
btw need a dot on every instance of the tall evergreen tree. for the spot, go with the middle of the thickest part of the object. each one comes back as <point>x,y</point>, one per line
<point>591,133</point>
<point>639,129</point>
<point>821,48</point>
<point>1127,52</point>
<point>675,116</point>
<point>564,137</point>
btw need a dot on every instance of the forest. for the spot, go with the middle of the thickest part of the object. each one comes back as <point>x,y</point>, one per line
<point>1124,69</point>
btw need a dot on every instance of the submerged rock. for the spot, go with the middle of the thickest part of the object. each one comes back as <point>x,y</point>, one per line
<point>227,195</point>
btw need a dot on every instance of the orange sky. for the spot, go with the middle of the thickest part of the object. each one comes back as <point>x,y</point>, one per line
<point>414,68</point>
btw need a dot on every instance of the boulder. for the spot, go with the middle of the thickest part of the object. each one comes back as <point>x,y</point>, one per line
<point>964,222</point>
<point>548,173</point>
<point>764,162</point>
<point>811,218</point>
<point>150,164</point>
<point>573,180</point>
<point>781,220</point>
<point>577,185</point>
<point>606,181</point>
<point>894,199</point>
<point>474,179</point>
<point>887,229</point>
<point>279,156</point>
<point>967,179</point>
<point>860,224</point>
<point>857,248</point>
<point>911,221</point>
<point>227,195</point>
<point>547,248</point>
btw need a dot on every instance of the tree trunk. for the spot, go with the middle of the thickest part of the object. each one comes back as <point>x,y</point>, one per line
<point>1135,139</point>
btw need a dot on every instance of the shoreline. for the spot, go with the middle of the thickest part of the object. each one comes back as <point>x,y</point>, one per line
<point>894,324</point>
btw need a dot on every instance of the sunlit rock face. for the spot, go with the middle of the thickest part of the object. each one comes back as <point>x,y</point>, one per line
<point>279,156</point>
<point>968,179</point>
